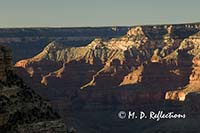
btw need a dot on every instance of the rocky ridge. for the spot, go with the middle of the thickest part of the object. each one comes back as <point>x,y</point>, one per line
<point>35,39</point>
<point>149,68</point>
<point>21,109</point>
<point>128,60</point>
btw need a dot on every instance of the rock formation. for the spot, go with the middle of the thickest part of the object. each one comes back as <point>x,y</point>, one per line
<point>5,61</point>
<point>155,67</point>
<point>35,39</point>
<point>148,56</point>
<point>21,109</point>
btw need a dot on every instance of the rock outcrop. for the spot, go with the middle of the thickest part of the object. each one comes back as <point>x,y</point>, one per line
<point>5,61</point>
<point>21,109</point>
<point>190,60</point>
<point>147,56</point>
<point>150,66</point>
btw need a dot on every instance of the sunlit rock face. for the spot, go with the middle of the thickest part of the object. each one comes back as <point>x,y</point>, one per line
<point>190,60</point>
<point>26,42</point>
<point>162,59</point>
<point>148,68</point>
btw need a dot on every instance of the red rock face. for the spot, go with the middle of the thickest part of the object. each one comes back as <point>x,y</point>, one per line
<point>189,66</point>
<point>195,75</point>
<point>147,64</point>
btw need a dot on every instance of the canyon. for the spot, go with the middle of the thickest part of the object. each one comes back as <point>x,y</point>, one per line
<point>148,57</point>
<point>149,67</point>
<point>34,40</point>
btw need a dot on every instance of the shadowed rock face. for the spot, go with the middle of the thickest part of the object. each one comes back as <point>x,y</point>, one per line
<point>148,65</point>
<point>21,109</point>
<point>5,61</point>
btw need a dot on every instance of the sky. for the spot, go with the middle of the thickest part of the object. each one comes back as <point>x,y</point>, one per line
<point>84,13</point>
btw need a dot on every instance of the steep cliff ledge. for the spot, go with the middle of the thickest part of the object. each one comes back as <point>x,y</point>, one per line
<point>5,61</point>
<point>21,109</point>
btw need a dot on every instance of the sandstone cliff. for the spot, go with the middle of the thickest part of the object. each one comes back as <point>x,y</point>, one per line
<point>148,56</point>
<point>146,69</point>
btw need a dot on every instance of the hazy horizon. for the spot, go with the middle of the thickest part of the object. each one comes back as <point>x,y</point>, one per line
<point>94,13</point>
